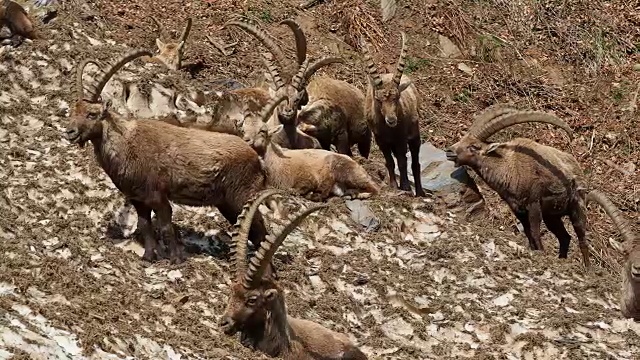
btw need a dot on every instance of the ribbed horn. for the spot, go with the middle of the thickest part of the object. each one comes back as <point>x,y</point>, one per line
<point>519,117</point>
<point>264,39</point>
<point>273,70</point>
<point>107,74</point>
<point>297,79</point>
<point>79,72</point>
<point>164,37</point>
<point>403,54</point>
<point>614,213</point>
<point>261,260</point>
<point>318,65</point>
<point>267,110</point>
<point>240,234</point>
<point>186,31</point>
<point>301,40</point>
<point>491,113</point>
<point>372,69</point>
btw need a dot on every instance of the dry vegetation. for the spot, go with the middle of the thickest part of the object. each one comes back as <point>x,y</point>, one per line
<point>463,287</point>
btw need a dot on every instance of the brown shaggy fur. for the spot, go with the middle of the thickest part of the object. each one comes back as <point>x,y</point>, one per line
<point>315,173</point>
<point>538,182</point>
<point>335,115</point>
<point>256,306</point>
<point>153,162</point>
<point>16,18</point>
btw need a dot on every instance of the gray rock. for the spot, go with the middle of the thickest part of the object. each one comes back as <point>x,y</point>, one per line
<point>438,173</point>
<point>361,214</point>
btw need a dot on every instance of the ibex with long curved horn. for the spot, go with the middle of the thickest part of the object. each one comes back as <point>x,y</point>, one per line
<point>152,162</point>
<point>171,51</point>
<point>630,287</point>
<point>256,306</point>
<point>391,109</point>
<point>538,182</point>
<point>17,20</point>
<point>295,87</point>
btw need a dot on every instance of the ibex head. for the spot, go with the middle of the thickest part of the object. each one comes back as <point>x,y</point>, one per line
<point>171,51</point>
<point>255,129</point>
<point>295,87</point>
<point>254,293</point>
<point>89,112</point>
<point>386,94</point>
<point>473,146</point>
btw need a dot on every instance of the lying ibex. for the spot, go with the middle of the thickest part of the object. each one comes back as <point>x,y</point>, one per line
<point>171,52</point>
<point>538,182</point>
<point>294,88</point>
<point>391,109</point>
<point>15,17</point>
<point>153,162</point>
<point>630,291</point>
<point>256,307</point>
<point>335,115</point>
<point>313,173</point>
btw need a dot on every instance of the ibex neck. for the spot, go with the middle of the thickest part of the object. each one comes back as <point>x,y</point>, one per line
<point>275,338</point>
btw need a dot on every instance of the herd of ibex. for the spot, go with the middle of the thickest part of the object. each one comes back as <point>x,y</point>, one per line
<point>280,137</point>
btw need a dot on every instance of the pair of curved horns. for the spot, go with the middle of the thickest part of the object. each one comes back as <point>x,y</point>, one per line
<point>616,216</point>
<point>94,90</point>
<point>491,121</point>
<point>372,68</point>
<point>301,77</point>
<point>252,272</point>
<point>164,36</point>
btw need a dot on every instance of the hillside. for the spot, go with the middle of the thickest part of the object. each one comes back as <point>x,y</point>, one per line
<point>430,283</point>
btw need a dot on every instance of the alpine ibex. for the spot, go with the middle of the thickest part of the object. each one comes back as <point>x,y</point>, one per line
<point>538,182</point>
<point>314,173</point>
<point>256,307</point>
<point>335,115</point>
<point>294,89</point>
<point>15,17</point>
<point>152,162</point>
<point>171,52</point>
<point>630,289</point>
<point>391,109</point>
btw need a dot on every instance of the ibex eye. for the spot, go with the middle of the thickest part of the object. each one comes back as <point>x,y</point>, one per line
<point>252,301</point>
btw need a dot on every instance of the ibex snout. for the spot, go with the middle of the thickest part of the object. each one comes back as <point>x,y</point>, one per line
<point>451,154</point>
<point>391,121</point>
<point>72,134</point>
<point>228,325</point>
<point>635,271</point>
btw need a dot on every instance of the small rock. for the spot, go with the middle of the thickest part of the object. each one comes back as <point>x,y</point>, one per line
<point>449,49</point>
<point>465,68</point>
<point>174,275</point>
<point>363,215</point>
<point>636,67</point>
<point>503,300</point>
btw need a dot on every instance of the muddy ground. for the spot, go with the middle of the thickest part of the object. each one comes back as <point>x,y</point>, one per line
<point>431,283</point>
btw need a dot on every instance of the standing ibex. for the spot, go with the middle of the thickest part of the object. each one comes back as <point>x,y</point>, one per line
<point>335,115</point>
<point>15,17</point>
<point>630,289</point>
<point>295,87</point>
<point>171,52</point>
<point>153,162</point>
<point>538,182</point>
<point>391,109</point>
<point>256,306</point>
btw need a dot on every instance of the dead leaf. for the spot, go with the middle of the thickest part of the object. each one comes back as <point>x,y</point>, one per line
<point>388,8</point>
<point>449,49</point>
<point>465,68</point>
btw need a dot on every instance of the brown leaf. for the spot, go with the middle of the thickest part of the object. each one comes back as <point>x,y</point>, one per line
<point>388,8</point>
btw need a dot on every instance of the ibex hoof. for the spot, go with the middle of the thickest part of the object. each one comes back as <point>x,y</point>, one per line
<point>149,256</point>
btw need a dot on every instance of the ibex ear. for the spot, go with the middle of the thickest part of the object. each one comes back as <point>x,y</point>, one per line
<point>491,148</point>
<point>270,295</point>
<point>275,129</point>
<point>304,127</point>
<point>159,44</point>
<point>404,86</point>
